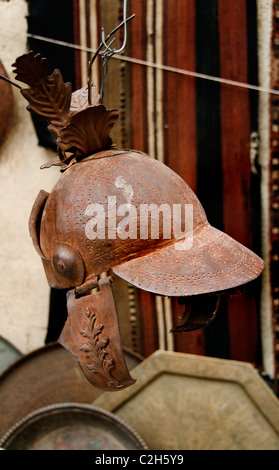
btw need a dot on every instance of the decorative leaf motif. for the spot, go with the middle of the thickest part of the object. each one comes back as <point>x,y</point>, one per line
<point>80,128</point>
<point>79,100</point>
<point>51,100</point>
<point>88,131</point>
<point>48,96</point>
<point>30,68</point>
<point>94,349</point>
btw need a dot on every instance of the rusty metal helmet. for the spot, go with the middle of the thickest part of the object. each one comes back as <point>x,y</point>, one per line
<point>95,219</point>
<point>120,211</point>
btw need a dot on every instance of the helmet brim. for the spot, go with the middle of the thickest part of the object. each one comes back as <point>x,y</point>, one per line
<point>211,261</point>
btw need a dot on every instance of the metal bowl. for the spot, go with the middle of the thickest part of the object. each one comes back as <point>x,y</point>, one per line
<point>71,426</point>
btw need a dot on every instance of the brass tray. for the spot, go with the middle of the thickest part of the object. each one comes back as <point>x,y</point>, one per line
<point>46,376</point>
<point>71,426</point>
<point>187,402</point>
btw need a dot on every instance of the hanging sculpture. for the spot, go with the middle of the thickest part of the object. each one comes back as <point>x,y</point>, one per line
<point>81,229</point>
<point>118,211</point>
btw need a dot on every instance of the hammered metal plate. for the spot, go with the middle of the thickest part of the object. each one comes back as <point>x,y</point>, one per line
<point>72,426</point>
<point>46,376</point>
<point>197,403</point>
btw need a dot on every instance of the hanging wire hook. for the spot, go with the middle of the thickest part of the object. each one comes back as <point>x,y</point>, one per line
<point>107,46</point>
<point>107,52</point>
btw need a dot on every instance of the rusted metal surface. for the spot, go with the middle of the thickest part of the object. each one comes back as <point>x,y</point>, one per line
<point>76,247</point>
<point>215,262</point>
<point>6,105</point>
<point>79,127</point>
<point>91,333</point>
<point>71,426</point>
<point>197,312</point>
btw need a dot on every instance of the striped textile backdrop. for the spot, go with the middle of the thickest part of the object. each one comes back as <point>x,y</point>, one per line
<point>202,129</point>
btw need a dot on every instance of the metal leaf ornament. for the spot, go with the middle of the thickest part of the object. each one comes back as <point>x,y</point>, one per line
<point>88,131</point>
<point>79,100</point>
<point>80,128</point>
<point>31,68</point>
<point>48,96</point>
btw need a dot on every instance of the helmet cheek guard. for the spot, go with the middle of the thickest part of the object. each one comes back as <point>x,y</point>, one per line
<point>64,268</point>
<point>66,265</point>
<point>35,220</point>
<point>91,332</point>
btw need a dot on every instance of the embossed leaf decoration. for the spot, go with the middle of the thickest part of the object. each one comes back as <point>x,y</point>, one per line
<point>48,96</point>
<point>50,100</point>
<point>81,128</point>
<point>79,100</point>
<point>96,355</point>
<point>88,131</point>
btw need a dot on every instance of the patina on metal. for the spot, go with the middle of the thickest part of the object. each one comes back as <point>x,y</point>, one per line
<point>81,229</point>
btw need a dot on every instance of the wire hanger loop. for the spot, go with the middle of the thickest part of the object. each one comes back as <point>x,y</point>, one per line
<point>106,52</point>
